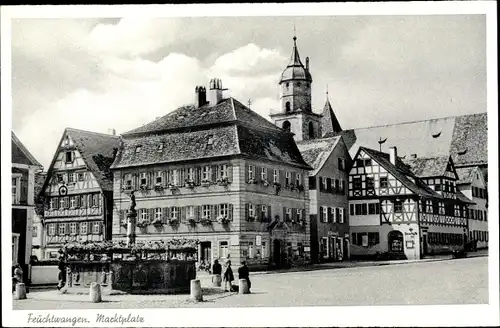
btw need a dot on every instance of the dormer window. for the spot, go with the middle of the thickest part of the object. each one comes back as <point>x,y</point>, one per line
<point>159,177</point>
<point>436,135</point>
<point>160,146</point>
<point>210,140</point>
<point>138,149</point>
<point>462,152</point>
<point>66,141</point>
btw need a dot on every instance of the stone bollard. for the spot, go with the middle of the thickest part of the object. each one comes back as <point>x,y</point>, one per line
<point>95,293</point>
<point>20,291</point>
<point>217,280</point>
<point>196,294</point>
<point>243,287</point>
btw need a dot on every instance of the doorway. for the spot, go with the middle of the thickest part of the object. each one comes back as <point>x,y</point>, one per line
<point>425,250</point>
<point>277,252</point>
<point>395,239</point>
<point>206,252</point>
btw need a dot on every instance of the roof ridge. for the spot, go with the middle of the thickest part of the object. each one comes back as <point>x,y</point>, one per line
<point>418,121</point>
<point>92,132</point>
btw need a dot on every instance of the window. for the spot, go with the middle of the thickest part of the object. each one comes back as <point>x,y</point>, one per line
<point>384,183</point>
<point>288,216</point>
<point>69,157</point>
<point>158,214</point>
<point>175,177</point>
<point>441,208</point>
<point>144,214</point>
<point>276,176</point>
<point>206,212</point>
<point>72,228</point>
<point>311,130</point>
<point>457,210</point>
<point>158,177</point>
<point>356,183</point>
<point>325,214</point>
<point>81,176</point>
<point>324,183</point>
<point>351,209</point>
<point>373,238</point>
<point>223,210</point>
<point>62,229</point>
<point>66,141</point>
<point>398,206</point>
<point>71,177</point>
<point>144,179</point>
<point>190,174</point>
<point>299,214</point>
<point>264,211</point>
<point>341,164</point>
<point>337,215</point>
<point>287,106</point>
<point>341,186</point>
<point>287,178</point>
<point>437,187</point>
<point>263,173</point>
<point>16,190</point>
<point>251,172</point>
<point>251,253</point>
<point>60,178</point>
<point>263,250</point>
<point>298,179</point>
<point>190,212</point>
<point>174,212</point>
<point>370,184</point>
<point>52,229</point>
<point>371,208</point>
<point>83,228</point>
<point>223,249</point>
<point>95,200</point>
<point>223,171</point>
<point>34,233</point>
<point>368,162</point>
<point>72,201</point>
<point>358,209</point>
<point>428,206</point>
<point>62,203</point>
<point>251,210</point>
<point>286,126</point>
<point>452,187</point>
<point>96,227</point>
<point>360,162</point>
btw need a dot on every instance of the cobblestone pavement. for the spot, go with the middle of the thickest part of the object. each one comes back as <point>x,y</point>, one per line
<point>461,281</point>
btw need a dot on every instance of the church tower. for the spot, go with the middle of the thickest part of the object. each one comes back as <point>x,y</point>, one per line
<point>295,113</point>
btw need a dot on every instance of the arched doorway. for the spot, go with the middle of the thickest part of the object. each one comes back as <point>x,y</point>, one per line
<point>311,130</point>
<point>286,126</point>
<point>396,240</point>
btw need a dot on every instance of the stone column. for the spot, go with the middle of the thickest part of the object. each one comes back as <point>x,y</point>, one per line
<point>131,217</point>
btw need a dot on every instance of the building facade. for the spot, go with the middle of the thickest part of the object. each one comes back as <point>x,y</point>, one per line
<point>78,190</point>
<point>38,239</point>
<point>395,213</point>
<point>24,168</point>
<point>219,173</point>
<point>473,185</point>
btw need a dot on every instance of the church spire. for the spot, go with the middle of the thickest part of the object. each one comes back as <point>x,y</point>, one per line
<point>331,125</point>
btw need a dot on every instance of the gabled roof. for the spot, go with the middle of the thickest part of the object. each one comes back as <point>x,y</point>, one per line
<point>329,121</point>
<point>317,151</point>
<point>430,166</point>
<point>235,130</point>
<point>464,138</point>
<point>20,154</point>
<point>227,111</point>
<point>401,172</point>
<point>97,150</point>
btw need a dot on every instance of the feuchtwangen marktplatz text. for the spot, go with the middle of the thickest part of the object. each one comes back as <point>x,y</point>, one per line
<point>74,320</point>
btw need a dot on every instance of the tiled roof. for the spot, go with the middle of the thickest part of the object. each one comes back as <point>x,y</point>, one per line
<point>20,154</point>
<point>436,137</point>
<point>98,151</point>
<point>315,152</point>
<point>465,174</point>
<point>401,172</point>
<point>428,167</point>
<point>188,117</point>
<point>329,121</point>
<point>234,128</point>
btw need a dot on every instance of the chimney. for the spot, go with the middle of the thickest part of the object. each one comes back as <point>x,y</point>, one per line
<point>307,63</point>
<point>393,154</point>
<point>200,96</point>
<point>112,132</point>
<point>215,92</point>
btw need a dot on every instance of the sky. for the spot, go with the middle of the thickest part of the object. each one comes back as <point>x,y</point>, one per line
<point>97,74</point>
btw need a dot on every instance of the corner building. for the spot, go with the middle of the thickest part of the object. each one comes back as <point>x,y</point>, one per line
<point>220,173</point>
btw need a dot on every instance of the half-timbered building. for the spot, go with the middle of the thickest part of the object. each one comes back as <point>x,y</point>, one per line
<point>220,173</point>
<point>472,184</point>
<point>78,190</point>
<point>24,168</point>
<point>404,210</point>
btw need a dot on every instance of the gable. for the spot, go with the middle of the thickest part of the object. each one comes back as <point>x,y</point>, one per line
<point>20,154</point>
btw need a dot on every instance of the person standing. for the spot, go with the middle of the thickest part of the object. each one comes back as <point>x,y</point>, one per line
<point>216,269</point>
<point>228,277</point>
<point>62,273</point>
<point>244,273</point>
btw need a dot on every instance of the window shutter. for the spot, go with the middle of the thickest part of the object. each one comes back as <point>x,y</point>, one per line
<point>328,184</point>
<point>321,218</point>
<point>247,211</point>
<point>341,219</point>
<point>294,214</point>
<point>230,172</point>
<point>56,202</point>
<point>247,177</point>
<point>320,183</point>
<point>282,177</point>
<point>284,214</point>
<point>198,212</point>
<point>213,170</point>
<point>213,214</point>
<point>304,215</point>
<point>230,212</point>
<point>257,173</point>
<point>269,175</point>
<point>269,212</point>
<point>198,175</point>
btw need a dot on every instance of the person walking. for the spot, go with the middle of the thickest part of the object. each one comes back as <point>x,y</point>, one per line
<point>244,273</point>
<point>228,277</point>
<point>62,273</point>
<point>216,269</point>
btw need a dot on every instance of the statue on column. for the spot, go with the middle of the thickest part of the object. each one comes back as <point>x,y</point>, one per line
<point>131,215</point>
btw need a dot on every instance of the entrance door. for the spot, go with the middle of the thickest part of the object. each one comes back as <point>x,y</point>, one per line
<point>206,253</point>
<point>277,252</point>
<point>395,239</point>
